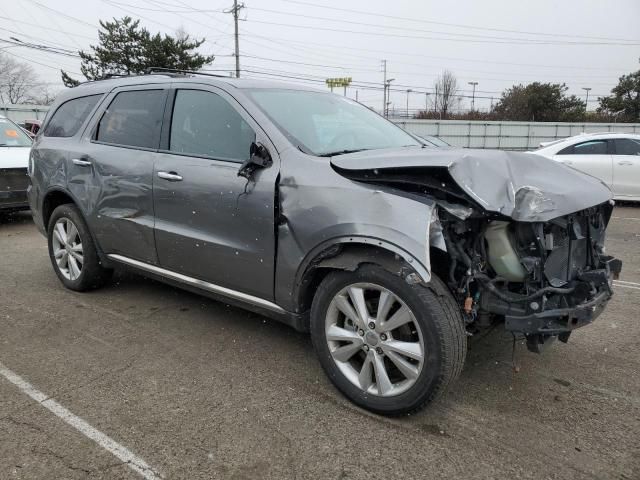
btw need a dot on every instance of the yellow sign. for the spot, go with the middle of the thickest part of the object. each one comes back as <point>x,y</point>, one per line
<point>338,82</point>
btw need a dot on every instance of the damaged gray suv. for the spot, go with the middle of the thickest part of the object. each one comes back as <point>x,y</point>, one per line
<point>310,208</point>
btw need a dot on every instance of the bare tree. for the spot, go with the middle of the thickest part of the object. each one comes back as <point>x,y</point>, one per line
<point>19,83</point>
<point>16,80</point>
<point>446,93</point>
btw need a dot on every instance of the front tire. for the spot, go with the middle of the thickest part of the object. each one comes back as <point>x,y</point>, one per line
<point>72,251</point>
<point>389,346</point>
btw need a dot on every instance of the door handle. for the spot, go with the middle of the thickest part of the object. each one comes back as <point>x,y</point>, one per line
<point>171,176</point>
<point>567,162</point>
<point>81,163</point>
<point>625,162</point>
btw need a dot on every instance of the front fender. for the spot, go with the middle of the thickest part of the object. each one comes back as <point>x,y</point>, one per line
<point>315,216</point>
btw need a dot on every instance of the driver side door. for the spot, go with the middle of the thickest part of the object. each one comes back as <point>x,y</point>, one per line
<point>211,224</point>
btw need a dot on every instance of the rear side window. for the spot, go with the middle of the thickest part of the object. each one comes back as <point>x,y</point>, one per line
<point>626,146</point>
<point>205,124</point>
<point>69,116</point>
<point>593,147</point>
<point>133,119</point>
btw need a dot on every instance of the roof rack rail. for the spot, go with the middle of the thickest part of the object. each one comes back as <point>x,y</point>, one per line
<point>107,76</point>
<point>152,70</point>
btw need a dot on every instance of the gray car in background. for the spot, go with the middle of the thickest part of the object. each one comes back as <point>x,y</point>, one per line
<point>308,207</point>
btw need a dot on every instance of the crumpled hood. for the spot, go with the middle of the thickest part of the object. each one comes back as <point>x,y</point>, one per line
<point>522,186</point>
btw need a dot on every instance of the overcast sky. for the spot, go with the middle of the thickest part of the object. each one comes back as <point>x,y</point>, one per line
<point>497,43</point>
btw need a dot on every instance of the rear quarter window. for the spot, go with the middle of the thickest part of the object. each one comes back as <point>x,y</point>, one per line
<point>69,116</point>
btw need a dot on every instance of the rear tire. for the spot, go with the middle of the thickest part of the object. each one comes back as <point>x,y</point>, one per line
<point>403,362</point>
<point>72,251</point>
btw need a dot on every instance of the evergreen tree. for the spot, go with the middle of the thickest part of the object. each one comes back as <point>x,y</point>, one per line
<point>126,48</point>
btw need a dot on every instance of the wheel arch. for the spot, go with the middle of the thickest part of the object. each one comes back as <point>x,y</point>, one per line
<point>57,196</point>
<point>349,253</point>
<point>53,199</point>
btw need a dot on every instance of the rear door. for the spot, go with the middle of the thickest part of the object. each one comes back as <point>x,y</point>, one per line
<point>212,224</point>
<point>113,168</point>
<point>626,167</point>
<point>592,157</point>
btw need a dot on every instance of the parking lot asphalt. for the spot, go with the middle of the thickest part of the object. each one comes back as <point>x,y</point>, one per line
<point>198,389</point>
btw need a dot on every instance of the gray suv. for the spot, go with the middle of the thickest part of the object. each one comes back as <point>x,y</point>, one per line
<point>308,207</point>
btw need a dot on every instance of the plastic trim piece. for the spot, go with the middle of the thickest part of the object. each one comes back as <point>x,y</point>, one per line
<point>227,292</point>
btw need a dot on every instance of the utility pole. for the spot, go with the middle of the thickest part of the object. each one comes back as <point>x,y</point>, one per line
<point>384,89</point>
<point>235,10</point>
<point>586,102</point>
<point>408,92</point>
<point>473,96</point>
<point>426,102</point>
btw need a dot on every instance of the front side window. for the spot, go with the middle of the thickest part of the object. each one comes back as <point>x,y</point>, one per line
<point>324,124</point>
<point>627,146</point>
<point>11,135</point>
<point>133,119</point>
<point>205,124</point>
<point>68,118</point>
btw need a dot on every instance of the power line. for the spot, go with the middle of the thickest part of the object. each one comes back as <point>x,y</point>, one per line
<point>69,17</point>
<point>457,25</point>
<point>424,74</point>
<point>404,28</point>
<point>42,48</point>
<point>36,62</point>
<point>417,37</point>
<point>412,55</point>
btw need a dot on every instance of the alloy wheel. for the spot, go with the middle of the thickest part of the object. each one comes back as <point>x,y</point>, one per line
<point>374,339</point>
<point>67,248</point>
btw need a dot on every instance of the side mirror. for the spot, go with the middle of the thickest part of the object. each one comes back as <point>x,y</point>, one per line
<point>259,157</point>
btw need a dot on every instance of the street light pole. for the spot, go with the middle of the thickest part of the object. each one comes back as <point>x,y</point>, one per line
<point>426,102</point>
<point>408,92</point>
<point>473,96</point>
<point>384,88</point>
<point>387,96</point>
<point>586,102</point>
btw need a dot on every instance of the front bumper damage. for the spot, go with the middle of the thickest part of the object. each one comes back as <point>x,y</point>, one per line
<point>563,320</point>
<point>544,279</point>
<point>517,238</point>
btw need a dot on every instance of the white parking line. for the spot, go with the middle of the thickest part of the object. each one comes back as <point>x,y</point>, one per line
<point>625,286</point>
<point>626,218</point>
<point>627,283</point>
<point>132,461</point>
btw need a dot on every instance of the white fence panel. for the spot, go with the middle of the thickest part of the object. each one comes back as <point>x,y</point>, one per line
<point>19,113</point>
<point>507,135</point>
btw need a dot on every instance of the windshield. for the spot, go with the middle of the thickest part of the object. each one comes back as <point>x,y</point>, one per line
<point>11,135</point>
<point>324,124</point>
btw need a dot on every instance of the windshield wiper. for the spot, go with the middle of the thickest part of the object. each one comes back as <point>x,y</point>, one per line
<point>343,152</point>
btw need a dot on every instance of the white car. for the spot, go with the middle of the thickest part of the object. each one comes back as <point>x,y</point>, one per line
<point>614,158</point>
<point>15,146</point>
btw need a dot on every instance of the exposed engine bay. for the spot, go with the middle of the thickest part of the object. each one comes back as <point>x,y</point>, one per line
<point>515,236</point>
<point>543,278</point>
